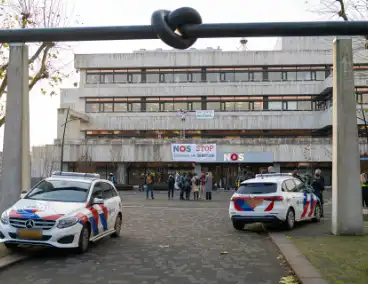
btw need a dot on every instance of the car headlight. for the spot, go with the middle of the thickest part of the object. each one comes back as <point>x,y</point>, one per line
<point>5,218</point>
<point>67,222</point>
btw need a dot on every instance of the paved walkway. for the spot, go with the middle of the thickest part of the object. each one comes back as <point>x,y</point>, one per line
<point>163,242</point>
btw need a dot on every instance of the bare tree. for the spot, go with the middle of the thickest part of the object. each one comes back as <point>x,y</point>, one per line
<point>84,162</point>
<point>44,61</point>
<point>116,152</point>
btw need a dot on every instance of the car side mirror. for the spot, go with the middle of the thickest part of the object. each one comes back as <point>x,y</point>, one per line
<point>98,201</point>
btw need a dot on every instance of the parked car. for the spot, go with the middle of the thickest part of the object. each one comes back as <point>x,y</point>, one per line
<point>66,210</point>
<point>273,198</point>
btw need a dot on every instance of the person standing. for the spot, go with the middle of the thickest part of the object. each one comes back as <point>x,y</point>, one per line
<point>364,185</point>
<point>181,185</point>
<point>149,185</point>
<point>112,178</point>
<point>171,185</point>
<point>202,181</point>
<point>188,185</point>
<point>318,187</point>
<point>195,185</point>
<point>208,186</point>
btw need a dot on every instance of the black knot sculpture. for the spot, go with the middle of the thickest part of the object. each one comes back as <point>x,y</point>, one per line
<point>165,23</point>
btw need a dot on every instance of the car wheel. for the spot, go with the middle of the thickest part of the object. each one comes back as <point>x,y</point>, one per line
<point>11,247</point>
<point>238,225</point>
<point>117,227</point>
<point>290,219</point>
<point>83,243</point>
<point>317,213</point>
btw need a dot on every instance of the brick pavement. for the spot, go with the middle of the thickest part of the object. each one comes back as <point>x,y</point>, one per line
<point>163,242</point>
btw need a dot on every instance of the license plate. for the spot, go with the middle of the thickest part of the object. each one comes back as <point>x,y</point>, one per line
<point>30,234</point>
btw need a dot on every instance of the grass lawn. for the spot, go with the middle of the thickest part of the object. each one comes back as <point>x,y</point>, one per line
<point>339,259</point>
<point>3,250</point>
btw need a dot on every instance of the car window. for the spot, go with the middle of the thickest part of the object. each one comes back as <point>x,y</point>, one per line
<point>60,190</point>
<point>97,191</point>
<point>300,186</point>
<point>257,188</point>
<point>107,190</point>
<point>290,185</point>
<point>114,191</point>
<point>283,187</point>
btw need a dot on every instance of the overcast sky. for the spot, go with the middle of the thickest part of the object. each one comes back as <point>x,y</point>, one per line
<point>119,12</point>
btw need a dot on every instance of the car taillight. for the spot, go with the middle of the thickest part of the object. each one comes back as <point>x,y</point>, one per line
<point>274,198</point>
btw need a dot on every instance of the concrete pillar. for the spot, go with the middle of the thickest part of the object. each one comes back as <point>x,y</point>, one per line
<point>16,151</point>
<point>122,174</point>
<point>277,167</point>
<point>347,217</point>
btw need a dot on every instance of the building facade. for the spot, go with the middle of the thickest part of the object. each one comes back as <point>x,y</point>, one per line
<point>220,111</point>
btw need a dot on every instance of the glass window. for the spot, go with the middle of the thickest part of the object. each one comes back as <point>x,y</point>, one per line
<point>135,107</point>
<point>258,76</point>
<point>97,191</point>
<point>214,106</point>
<point>364,99</point>
<point>229,106</point>
<point>180,77</point>
<point>168,106</point>
<point>60,190</point>
<point>107,191</point>
<point>134,78</point>
<point>107,78</point>
<point>213,77</point>
<point>274,76</point>
<point>241,77</point>
<point>305,105</point>
<point>291,76</point>
<point>92,107</point>
<point>196,105</point>
<point>229,77</point>
<point>195,77</point>
<point>120,107</point>
<point>108,107</point>
<point>169,78</point>
<point>93,78</point>
<point>257,188</point>
<point>152,107</point>
<point>121,77</point>
<point>290,105</point>
<point>274,105</point>
<point>152,77</point>
<point>303,76</point>
<point>180,105</point>
<point>239,106</point>
<point>320,75</point>
<point>290,185</point>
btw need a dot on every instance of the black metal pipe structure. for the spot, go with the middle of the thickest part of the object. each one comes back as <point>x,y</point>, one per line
<point>187,23</point>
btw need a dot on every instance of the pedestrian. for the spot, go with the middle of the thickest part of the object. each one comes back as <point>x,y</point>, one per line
<point>177,180</point>
<point>112,178</point>
<point>171,186</point>
<point>318,187</point>
<point>364,184</point>
<point>188,185</point>
<point>296,175</point>
<point>271,170</point>
<point>195,187</point>
<point>202,181</point>
<point>181,185</point>
<point>149,185</point>
<point>208,186</point>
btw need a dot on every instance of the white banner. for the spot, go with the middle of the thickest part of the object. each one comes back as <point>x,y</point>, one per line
<point>205,114</point>
<point>193,152</point>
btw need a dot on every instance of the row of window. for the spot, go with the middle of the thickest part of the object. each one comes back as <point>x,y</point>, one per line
<point>224,104</point>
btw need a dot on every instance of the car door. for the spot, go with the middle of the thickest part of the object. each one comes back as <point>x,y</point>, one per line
<point>95,210</point>
<point>294,196</point>
<point>110,206</point>
<point>302,200</point>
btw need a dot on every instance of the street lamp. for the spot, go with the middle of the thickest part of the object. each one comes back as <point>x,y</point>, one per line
<point>63,138</point>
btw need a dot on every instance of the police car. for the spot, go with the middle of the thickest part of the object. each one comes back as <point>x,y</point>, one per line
<point>66,210</point>
<point>273,198</point>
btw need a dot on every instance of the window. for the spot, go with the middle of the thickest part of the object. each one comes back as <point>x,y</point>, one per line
<point>120,107</point>
<point>134,78</point>
<point>168,78</point>
<point>320,75</point>
<point>240,106</point>
<point>180,77</point>
<point>195,106</point>
<point>303,76</point>
<point>214,106</point>
<point>241,77</point>
<point>258,76</point>
<point>152,78</point>
<point>257,188</point>
<point>168,106</point>
<point>92,107</point>
<point>152,107</point>
<point>291,76</point>
<point>290,105</point>
<point>213,77</point>
<point>290,185</point>
<point>97,191</point>
<point>180,105</point>
<point>305,105</point>
<point>134,107</point>
<point>107,107</point>
<point>121,78</point>
<point>229,106</point>
<point>274,76</point>
<point>107,78</point>
<point>60,190</point>
<point>229,77</point>
<point>107,191</point>
<point>93,78</point>
<point>195,77</point>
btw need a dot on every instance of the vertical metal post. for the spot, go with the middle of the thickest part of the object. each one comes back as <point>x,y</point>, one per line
<point>16,154</point>
<point>347,216</point>
<point>63,140</point>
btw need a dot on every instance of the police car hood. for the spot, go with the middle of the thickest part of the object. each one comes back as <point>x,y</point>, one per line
<point>39,209</point>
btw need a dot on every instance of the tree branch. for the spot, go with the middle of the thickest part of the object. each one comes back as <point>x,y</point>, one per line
<point>42,72</point>
<point>342,13</point>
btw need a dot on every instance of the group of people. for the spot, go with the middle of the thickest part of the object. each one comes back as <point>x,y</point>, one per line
<point>186,183</point>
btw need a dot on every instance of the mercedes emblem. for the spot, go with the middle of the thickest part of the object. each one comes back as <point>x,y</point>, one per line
<point>30,224</point>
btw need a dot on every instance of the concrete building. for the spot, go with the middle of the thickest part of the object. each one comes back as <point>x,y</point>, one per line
<point>165,111</point>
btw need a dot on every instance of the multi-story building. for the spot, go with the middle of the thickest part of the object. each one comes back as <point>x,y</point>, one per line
<point>134,112</point>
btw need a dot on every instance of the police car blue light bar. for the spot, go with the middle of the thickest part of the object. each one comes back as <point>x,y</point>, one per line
<point>274,175</point>
<point>73,174</point>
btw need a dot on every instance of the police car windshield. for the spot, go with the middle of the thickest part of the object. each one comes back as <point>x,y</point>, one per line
<point>257,188</point>
<point>60,190</point>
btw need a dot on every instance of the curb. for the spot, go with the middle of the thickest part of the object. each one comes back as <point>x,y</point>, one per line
<point>11,259</point>
<point>303,269</point>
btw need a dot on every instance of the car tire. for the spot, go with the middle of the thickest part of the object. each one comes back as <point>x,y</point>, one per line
<point>117,226</point>
<point>83,243</point>
<point>317,214</point>
<point>290,219</point>
<point>238,225</point>
<point>12,247</point>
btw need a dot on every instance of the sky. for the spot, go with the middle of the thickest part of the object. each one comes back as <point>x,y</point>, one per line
<point>43,109</point>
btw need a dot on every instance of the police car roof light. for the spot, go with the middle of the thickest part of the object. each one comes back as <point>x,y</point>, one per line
<point>73,174</point>
<point>273,175</point>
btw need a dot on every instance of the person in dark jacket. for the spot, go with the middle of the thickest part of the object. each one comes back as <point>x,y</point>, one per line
<point>318,187</point>
<point>364,185</point>
<point>296,175</point>
<point>188,185</point>
<point>181,185</point>
<point>171,186</point>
